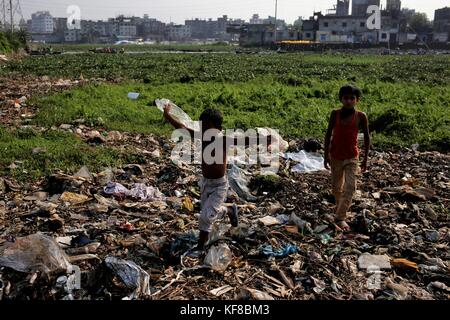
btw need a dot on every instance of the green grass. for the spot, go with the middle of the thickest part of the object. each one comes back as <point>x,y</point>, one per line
<point>420,113</point>
<point>63,151</point>
<point>292,69</point>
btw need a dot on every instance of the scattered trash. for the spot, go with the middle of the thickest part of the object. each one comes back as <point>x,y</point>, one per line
<point>404,264</point>
<point>238,182</point>
<point>219,257</point>
<point>132,276</point>
<point>301,224</point>
<point>432,235</point>
<point>36,252</point>
<point>73,198</point>
<point>367,261</point>
<point>133,95</point>
<point>308,162</point>
<point>288,249</point>
<point>256,294</point>
<point>139,192</point>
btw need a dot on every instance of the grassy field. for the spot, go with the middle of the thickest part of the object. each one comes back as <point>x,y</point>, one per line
<point>406,98</point>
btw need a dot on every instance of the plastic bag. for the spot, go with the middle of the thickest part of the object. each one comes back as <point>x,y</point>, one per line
<point>218,232</point>
<point>132,275</point>
<point>301,224</point>
<point>269,251</point>
<point>36,252</point>
<point>142,192</point>
<point>116,189</point>
<point>278,143</point>
<point>133,95</point>
<point>219,257</point>
<point>238,182</point>
<point>308,161</point>
<point>178,114</point>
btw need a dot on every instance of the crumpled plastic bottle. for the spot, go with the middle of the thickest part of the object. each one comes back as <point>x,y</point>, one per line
<point>178,114</point>
<point>219,257</point>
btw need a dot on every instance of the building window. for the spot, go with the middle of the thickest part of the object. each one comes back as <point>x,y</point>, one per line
<point>270,34</point>
<point>362,24</point>
<point>291,34</point>
<point>344,24</point>
<point>384,36</point>
<point>325,24</point>
<point>308,35</point>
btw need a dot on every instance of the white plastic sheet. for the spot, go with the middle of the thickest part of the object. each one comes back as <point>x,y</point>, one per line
<point>307,161</point>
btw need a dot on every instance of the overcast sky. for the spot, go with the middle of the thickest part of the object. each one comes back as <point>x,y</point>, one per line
<point>179,10</point>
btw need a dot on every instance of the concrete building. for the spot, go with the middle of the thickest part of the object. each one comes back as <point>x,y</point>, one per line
<point>72,35</point>
<point>199,28</point>
<point>441,27</point>
<point>151,29</point>
<point>351,29</point>
<point>179,32</point>
<point>359,7</point>
<point>394,7</point>
<point>262,34</point>
<point>42,23</point>
<point>255,19</point>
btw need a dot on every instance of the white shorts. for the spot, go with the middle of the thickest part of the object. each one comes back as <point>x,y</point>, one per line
<point>213,196</point>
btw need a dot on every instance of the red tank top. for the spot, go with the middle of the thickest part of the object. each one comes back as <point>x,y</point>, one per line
<point>344,144</point>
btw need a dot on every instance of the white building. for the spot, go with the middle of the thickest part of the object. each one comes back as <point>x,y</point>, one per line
<point>42,22</point>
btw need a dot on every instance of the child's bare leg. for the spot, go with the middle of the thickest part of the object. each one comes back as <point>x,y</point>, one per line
<point>232,213</point>
<point>202,239</point>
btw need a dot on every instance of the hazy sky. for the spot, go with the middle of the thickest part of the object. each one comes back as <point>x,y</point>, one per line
<point>179,10</point>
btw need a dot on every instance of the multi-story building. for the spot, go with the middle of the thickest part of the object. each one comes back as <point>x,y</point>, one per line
<point>394,7</point>
<point>179,32</point>
<point>42,22</point>
<point>72,35</point>
<point>151,29</point>
<point>441,27</point>
<point>359,7</point>
<point>255,19</point>
<point>199,28</point>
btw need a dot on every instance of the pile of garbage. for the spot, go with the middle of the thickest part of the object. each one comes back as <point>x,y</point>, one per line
<point>123,233</point>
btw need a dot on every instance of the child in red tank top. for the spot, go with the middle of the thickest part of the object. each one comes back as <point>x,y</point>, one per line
<point>342,135</point>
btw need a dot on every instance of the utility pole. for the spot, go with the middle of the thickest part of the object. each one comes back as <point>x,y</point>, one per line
<point>12,15</point>
<point>4,15</point>
<point>276,12</point>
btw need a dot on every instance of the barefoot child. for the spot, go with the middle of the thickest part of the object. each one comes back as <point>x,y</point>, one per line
<point>214,184</point>
<point>342,133</point>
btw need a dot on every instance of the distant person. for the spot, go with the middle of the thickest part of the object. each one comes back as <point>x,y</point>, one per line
<point>214,183</point>
<point>342,136</point>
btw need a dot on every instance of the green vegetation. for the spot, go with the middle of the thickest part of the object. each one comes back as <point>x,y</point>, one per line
<point>398,114</point>
<point>291,69</point>
<point>58,150</point>
<point>10,42</point>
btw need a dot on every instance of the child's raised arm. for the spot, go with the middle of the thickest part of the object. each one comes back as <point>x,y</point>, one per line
<point>176,124</point>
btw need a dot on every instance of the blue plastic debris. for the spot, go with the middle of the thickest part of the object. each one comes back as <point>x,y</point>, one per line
<point>288,249</point>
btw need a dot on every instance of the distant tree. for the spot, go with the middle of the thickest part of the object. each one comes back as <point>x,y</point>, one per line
<point>419,22</point>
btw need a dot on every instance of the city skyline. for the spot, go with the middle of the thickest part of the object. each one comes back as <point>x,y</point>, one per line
<point>174,11</point>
